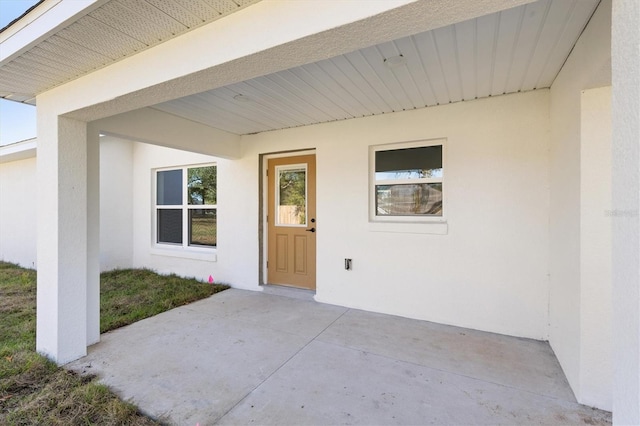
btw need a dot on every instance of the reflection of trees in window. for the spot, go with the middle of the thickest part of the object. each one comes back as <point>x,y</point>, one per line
<point>430,173</point>
<point>292,191</point>
<point>409,199</point>
<point>414,174</point>
<point>202,185</point>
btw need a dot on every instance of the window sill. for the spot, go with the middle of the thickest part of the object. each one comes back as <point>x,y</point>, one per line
<point>209,255</point>
<point>437,228</point>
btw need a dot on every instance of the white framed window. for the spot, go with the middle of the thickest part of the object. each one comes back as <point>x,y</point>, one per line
<point>185,207</point>
<point>407,182</point>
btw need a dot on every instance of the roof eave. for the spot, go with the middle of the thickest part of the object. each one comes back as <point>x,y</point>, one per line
<point>37,24</point>
<point>19,150</point>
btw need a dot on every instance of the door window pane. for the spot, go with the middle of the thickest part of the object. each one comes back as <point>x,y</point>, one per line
<point>169,188</point>
<point>201,184</point>
<point>409,163</point>
<point>202,227</point>
<point>409,199</point>
<point>170,226</point>
<point>292,197</point>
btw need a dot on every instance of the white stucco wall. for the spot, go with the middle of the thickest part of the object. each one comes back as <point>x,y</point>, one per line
<point>625,115</point>
<point>596,364</point>
<point>588,66</point>
<point>18,204</point>
<point>488,272</point>
<point>116,203</point>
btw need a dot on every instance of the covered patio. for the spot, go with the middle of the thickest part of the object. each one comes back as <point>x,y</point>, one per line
<point>534,105</point>
<point>277,357</point>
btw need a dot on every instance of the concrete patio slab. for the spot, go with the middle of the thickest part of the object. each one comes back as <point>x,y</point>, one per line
<point>243,357</point>
<point>521,363</point>
<point>329,384</point>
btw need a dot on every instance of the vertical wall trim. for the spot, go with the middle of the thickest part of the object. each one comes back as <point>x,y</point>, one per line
<point>625,60</point>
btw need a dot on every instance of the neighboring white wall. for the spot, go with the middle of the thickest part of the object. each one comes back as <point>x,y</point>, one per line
<point>596,369</point>
<point>489,272</point>
<point>116,203</point>
<point>18,207</point>
<point>588,66</point>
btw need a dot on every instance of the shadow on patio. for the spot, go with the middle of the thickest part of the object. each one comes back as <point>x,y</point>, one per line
<point>244,357</point>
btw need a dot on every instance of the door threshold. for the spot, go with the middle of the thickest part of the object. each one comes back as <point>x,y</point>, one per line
<point>291,292</point>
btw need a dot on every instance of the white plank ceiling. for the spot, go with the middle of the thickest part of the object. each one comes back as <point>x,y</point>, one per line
<point>516,50</point>
<point>519,49</point>
<point>116,30</point>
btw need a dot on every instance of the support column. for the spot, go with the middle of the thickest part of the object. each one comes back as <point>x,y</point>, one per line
<point>93,235</point>
<point>625,62</point>
<point>62,237</point>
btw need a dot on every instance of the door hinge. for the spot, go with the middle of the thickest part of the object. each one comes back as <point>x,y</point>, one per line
<point>267,218</point>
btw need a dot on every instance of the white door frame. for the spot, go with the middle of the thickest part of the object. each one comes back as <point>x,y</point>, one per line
<point>265,201</point>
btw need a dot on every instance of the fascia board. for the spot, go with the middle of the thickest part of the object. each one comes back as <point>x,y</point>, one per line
<point>18,151</point>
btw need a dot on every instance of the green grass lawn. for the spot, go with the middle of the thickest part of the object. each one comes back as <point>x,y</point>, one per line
<point>34,390</point>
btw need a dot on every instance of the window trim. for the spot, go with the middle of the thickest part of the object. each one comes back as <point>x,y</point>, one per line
<point>376,220</point>
<point>183,250</point>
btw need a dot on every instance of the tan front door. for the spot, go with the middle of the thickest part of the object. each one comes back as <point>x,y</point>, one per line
<point>291,219</point>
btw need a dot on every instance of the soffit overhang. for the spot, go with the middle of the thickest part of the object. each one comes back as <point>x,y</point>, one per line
<point>59,41</point>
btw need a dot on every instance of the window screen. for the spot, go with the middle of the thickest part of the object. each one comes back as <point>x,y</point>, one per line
<point>170,226</point>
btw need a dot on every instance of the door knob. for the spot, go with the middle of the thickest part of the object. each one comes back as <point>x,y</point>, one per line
<point>311,230</point>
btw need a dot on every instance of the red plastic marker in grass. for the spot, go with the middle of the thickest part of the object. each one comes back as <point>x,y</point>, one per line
<point>210,279</point>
